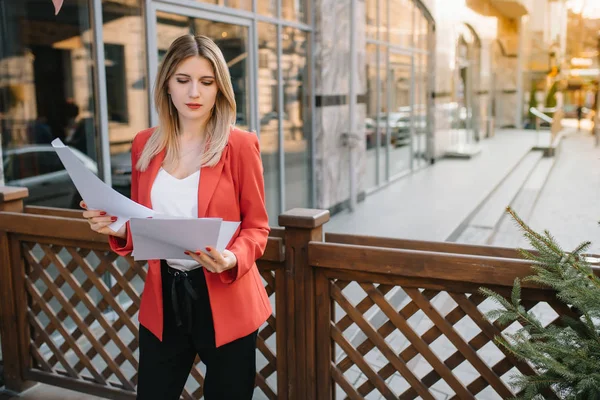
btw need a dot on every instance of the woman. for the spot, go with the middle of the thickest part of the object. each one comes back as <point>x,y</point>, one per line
<point>195,164</point>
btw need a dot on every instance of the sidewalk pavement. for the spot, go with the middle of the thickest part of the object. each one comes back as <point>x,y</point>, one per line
<point>431,204</point>
<point>569,204</point>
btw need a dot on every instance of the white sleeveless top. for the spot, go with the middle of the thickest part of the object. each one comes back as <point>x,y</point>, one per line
<point>177,198</point>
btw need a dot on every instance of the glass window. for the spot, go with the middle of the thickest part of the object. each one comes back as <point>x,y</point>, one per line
<point>296,125</point>
<point>23,166</point>
<point>421,30</point>
<point>381,118</point>
<point>384,18</point>
<point>401,22</point>
<point>268,116</point>
<point>374,133</point>
<point>420,110</point>
<point>241,4</point>
<point>267,7</point>
<point>372,26</point>
<point>293,10</point>
<point>126,83</point>
<point>46,90</point>
<point>400,114</point>
<point>219,2</point>
<point>49,162</point>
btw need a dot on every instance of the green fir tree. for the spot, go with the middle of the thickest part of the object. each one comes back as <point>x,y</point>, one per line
<point>566,356</point>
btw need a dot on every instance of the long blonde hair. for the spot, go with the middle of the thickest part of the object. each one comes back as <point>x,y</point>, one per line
<point>222,115</point>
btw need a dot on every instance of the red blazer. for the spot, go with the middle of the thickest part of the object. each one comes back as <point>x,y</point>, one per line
<point>233,190</point>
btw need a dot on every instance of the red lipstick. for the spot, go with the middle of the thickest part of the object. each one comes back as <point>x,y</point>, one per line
<point>193,106</point>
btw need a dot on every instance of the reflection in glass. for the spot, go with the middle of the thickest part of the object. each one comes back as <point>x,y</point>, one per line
<point>400,114</point>
<point>293,10</point>
<point>381,120</point>
<point>384,20</point>
<point>211,1</point>
<point>240,4</point>
<point>371,6</point>
<point>126,84</point>
<point>268,115</point>
<point>374,133</point>
<point>401,24</point>
<point>421,30</point>
<point>420,111</point>
<point>46,92</point>
<point>231,39</point>
<point>267,7</point>
<point>296,124</point>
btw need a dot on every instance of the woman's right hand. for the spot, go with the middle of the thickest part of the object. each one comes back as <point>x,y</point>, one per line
<point>99,222</point>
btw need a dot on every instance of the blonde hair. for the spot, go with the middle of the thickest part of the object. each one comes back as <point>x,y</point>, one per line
<point>222,115</point>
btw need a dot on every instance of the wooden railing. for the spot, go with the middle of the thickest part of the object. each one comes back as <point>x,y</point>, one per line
<point>353,316</point>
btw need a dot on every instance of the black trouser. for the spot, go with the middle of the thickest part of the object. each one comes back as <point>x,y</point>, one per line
<point>188,330</point>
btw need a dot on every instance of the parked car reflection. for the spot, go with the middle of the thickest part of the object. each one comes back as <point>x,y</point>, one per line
<point>39,169</point>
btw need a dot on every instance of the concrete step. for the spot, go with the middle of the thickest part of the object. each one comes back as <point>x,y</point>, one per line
<point>507,233</point>
<point>481,226</point>
<point>489,215</point>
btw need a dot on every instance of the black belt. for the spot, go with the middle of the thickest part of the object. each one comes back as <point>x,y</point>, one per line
<point>182,281</point>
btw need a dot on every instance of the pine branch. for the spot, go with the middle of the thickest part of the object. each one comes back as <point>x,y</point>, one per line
<point>566,356</point>
<point>549,241</point>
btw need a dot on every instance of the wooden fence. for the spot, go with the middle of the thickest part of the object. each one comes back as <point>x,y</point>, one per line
<point>353,316</point>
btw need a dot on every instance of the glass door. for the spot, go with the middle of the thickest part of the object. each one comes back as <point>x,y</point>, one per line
<point>231,34</point>
<point>400,115</point>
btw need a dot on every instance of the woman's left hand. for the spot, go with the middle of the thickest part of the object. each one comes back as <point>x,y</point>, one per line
<point>214,261</point>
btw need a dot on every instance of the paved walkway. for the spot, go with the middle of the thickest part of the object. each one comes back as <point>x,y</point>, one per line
<point>430,204</point>
<point>569,204</point>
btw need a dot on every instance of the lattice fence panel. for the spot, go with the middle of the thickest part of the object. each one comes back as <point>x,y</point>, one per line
<point>83,306</point>
<point>395,342</point>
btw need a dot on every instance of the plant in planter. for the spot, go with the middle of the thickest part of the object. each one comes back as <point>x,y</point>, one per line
<point>566,356</point>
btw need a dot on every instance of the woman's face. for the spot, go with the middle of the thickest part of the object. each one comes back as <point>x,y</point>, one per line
<point>193,89</point>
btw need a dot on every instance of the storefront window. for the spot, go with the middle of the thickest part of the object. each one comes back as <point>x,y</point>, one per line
<point>126,83</point>
<point>396,96</point>
<point>268,100</point>
<point>240,4</point>
<point>293,10</point>
<point>296,129</point>
<point>401,24</point>
<point>372,26</point>
<point>374,132</point>
<point>267,7</point>
<point>46,92</point>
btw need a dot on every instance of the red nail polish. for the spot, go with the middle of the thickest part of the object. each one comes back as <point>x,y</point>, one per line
<point>187,253</point>
<point>103,213</point>
<point>113,219</point>
<point>198,253</point>
<point>208,249</point>
<point>84,205</point>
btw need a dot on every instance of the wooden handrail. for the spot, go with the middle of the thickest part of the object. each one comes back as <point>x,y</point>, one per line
<point>422,264</point>
<point>440,247</point>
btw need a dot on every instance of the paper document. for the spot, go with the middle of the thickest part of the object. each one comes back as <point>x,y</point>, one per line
<point>96,194</point>
<point>159,238</point>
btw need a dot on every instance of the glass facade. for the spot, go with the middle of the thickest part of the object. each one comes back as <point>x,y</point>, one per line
<point>46,92</point>
<point>396,127</point>
<point>48,87</point>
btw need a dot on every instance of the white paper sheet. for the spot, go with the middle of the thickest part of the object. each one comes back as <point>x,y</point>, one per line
<point>96,194</point>
<point>168,238</point>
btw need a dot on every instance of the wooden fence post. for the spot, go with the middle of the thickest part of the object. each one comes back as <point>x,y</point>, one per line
<point>301,226</point>
<point>11,199</point>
